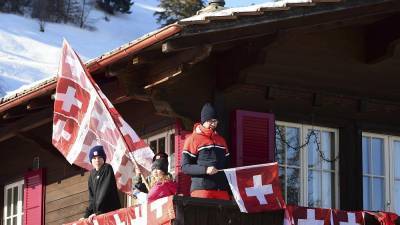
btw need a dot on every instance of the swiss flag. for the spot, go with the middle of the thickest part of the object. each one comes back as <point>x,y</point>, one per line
<point>161,211</point>
<point>84,117</point>
<point>340,217</point>
<point>256,188</point>
<point>311,216</point>
<point>384,218</point>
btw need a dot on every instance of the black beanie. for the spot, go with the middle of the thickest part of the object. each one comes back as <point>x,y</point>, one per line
<point>160,164</point>
<point>97,151</point>
<point>207,113</point>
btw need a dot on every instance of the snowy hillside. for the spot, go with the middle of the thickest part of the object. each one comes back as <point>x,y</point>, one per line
<point>27,55</point>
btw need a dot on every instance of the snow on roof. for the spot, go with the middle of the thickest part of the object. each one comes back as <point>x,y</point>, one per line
<point>232,13</point>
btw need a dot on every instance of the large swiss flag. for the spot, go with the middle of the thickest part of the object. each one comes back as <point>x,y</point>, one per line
<point>84,117</point>
<point>256,188</point>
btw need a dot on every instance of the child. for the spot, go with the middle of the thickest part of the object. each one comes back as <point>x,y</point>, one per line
<point>161,184</point>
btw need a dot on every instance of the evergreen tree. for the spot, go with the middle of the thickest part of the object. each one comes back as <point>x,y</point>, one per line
<point>175,10</point>
<point>112,6</point>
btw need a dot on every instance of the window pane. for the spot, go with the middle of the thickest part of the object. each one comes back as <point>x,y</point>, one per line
<point>282,179</point>
<point>328,197</point>
<point>9,201</point>
<point>14,220</point>
<point>366,154</point>
<point>153,146</point>
<point>328,148</point>
<point>396,160</point>
<point>22,198</point>
<point>279,140</point>
<point>314,188</point>
<point>313,155</point>
<point>171,144</point>
<point>378,194</point>
<point>161,145</point>
<point>8,222</point>
<point>366,193</point>
<point>396,194</point>
<point>377,155</point>
<point>293,138</point>
<point>15,200</point>
<point>293,186</point>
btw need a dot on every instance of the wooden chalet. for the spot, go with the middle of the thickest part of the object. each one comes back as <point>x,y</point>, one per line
<point>322,75</point>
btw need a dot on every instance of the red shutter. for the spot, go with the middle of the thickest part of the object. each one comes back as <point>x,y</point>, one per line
<point>253,138</point>
<point>34,197</point>
<point>182,179</point>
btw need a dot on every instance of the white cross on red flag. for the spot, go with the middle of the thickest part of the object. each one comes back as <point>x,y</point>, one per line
<point>256,188</point>
<point>340,217</point>
<point>84,117</point>
<point>308,216</point>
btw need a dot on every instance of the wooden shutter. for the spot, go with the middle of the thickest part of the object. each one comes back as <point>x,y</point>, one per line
<point>34,197</point>
<point>253,138</point>
<point>183,180</point>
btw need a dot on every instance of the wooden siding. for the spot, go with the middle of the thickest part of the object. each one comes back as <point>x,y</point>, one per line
<point>67,200</point>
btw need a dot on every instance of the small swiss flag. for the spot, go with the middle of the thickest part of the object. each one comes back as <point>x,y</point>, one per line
<point>256,188</point>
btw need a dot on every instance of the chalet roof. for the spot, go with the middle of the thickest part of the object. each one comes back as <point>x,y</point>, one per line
<point>200,24</point>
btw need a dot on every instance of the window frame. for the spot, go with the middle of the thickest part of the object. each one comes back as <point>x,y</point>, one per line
<point>303,128</point>
<point>20,207</point>
<point>165,133</point>
<point>389,162</point>
<point>390,192</point>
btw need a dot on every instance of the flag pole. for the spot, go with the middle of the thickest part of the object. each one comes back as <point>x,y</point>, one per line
<point>130,156</point>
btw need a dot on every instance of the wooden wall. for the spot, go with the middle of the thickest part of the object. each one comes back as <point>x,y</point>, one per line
<point>66,200</point>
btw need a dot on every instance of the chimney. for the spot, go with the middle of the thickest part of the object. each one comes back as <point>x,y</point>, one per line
<point>213,6</point>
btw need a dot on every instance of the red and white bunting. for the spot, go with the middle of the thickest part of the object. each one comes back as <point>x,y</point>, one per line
<point>160,211</point>
<point>84,117</point>
<point>311,216</point>
<point>384,218</point>
<point>340,217</point>
<point>256,188</point>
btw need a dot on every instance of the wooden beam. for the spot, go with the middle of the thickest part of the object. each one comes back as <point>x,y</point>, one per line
<point>382,39</point>
<point>27,123</point>
<point>307,19</point>
<point>175,65</point>
<point>39,143</point>
<point>39,103</point>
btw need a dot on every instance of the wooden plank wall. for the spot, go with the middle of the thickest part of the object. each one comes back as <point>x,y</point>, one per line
<point>66,200</point>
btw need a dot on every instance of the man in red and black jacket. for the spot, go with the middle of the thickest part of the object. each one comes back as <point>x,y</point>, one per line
<point>205,154</point>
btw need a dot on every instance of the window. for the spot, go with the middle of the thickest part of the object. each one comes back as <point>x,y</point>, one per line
<point>13,203</point>
<point>307,179</point>
<point>381,173</point>
<point>164,142</point>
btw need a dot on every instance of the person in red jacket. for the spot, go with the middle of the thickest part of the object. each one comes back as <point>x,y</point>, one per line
<point>204,155</point>
<point>161,184</point>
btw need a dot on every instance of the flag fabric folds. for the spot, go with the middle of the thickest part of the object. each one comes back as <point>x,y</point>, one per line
<point>84,117</point>
<point>256,188</point>
<point>340,217</point>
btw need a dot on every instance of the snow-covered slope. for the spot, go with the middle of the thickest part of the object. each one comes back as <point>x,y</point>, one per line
<point>27,55</point>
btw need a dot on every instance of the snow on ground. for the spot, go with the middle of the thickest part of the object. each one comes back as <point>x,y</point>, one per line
<point>27,55</point>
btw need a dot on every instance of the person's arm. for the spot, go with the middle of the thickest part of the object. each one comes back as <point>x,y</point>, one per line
<point>190,166</point>
<point>90,209</point>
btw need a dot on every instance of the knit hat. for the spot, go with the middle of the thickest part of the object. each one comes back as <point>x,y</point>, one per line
<point>207,113</point>
<point>97,151</point>
<point>160,164</point>
<point>160,155</point>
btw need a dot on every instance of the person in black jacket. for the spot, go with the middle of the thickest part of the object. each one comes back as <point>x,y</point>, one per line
<point>205,154</point>
<point>103,193</point>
